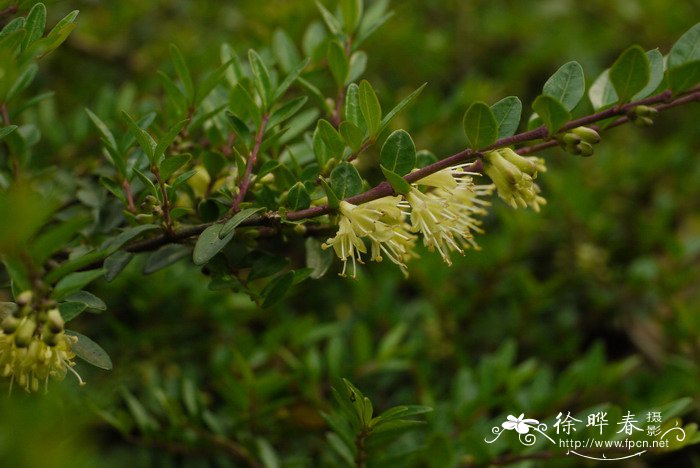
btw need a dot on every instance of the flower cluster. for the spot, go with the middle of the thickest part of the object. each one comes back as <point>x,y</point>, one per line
<point>514,177</point>
<point>444,213</point>
<point>34,347</point>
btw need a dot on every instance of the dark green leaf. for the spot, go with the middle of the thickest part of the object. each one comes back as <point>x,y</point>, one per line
<point>170,165</point>
<point>318,259</point>
<point>286,111</point>
<point>370,108</point>
<point>567,85</point>
<point>298,198</point>
<point>237,219</point>
<point>290,79</point>
<point>345,180</point>
<point>70,310</point>
<point>397,182</point>
<point>165,256</point>
<point>425,158</point>
<point>333,201</point>
<point>338,62</point>
<point>376,16</point>
<point>115,263</point>
<point>331,138</point>
<point>167,140</point>
<point>552,112</point>
<point>352,135</point>
<point>144,139</point>
<point>209,244</point>
<point>35,24</point>
<point>275,290</point>
<point>182,72</point>
<point>507,112</point>
<point>263,82</point>
<point>90,300</point>
<point>684,77</point>
<point>267,265</point>
<point>89,351</point>
<point>353,114</point>
<point>107,135</point>
<point>480,126</point>
<point>4,131</point>
<point>630,73</point>
<point>57,237</point>
<point>399,107</point>
<point>351,11</point>
<point>25,78</point>
<point>398,153</point>
<point>330,20</point>
<point>75,282</point>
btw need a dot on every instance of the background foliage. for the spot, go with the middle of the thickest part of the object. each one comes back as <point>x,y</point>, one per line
<point>593,301</point>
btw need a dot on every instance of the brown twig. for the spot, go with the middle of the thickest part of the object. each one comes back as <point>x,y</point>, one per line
<point>252,158</point>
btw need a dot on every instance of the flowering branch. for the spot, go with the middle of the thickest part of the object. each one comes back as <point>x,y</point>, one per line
<point>252,158</point>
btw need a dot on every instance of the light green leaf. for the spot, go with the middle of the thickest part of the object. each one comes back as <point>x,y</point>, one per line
<point>263,82</point>
<point>398,183</point>
<point>290,79</point>
<point>237,219</point>
<point>35,24</point>
<point>358,65</point>
<point>656,74</point>
<point>352,135</point>
<point>686,49</point>
<point>602,93</point>
<point>4,131</point>
<point>331,21</point>
<point>144,139</point>
<point>567,85</point>
<point>398,153</point>
<point>333,201</point>
<point>353,114</point>
<point>370,108</point>
<point>552,112</point>
<point>209,244</point>
<point>352,14</point>
<point>90,300</point>
<point>298,197</point>
<point>182,72</point>
<point>630,73</point>
<point>89,351</point>
<point>480,126</point>
<point>507,112</point>
<point>345,180</point>
<point>286,111</point>
<point>284,50</point>
<point>338,62</point>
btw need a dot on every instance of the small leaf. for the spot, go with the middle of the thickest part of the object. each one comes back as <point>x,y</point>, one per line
<point>263,82</point>
<point>298,198</point>
<point>656,74</point>
<point>113,244</point>
<point>353,114</point>
<point>70,310</point>
<point>318,259</point>
<point>552,112</point>
<point>358,65</point>
<point>338,62</point>
<point>567,85</point>
<point>630,73</point>
<point>167,140</point>
<point>144,139</point>
<point>480,126</point>
<point>284,50</point>
<point>286,111</point>
<point>345,180</point>
<point>237,219</point>
<point>90,300</point>
<point>397,182</point>
<point>425,158</point>
<point>330,20</point>
<point>352,14</point>
<point>170,165</point>
<point>331,138</point>
<point>400,106</point>
<point>209,244</point>
<point>686,49</point>
<point>290,79</point>
<point>89,351</point>
<point>370,107</point>
<point>75,282</point>
<point>602,93</point>
<point>107,135</point>
<point>507,112</point>
<point>164,257</point>
<point>57,237</point>
<point>275,290</point>
<point>115,263</point>
<point>352,135</point>
<point>333,201</point>
<point>267,265</point>
<point>398,153</point>
<point>35,24</point>
<point>182,72</point>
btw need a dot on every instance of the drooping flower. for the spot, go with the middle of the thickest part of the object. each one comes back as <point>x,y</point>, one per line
<point>30,353</point>
<point>514,176</point>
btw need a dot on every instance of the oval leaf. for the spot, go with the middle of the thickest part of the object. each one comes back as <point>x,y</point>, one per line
<point>370,107</point>
<point>552,112</point>
<point>209,244</point>
<point>630,72</point>
<point>656,74</point>
<point>686,49</point>
<point>480,126</point>
<point>345,180</point>
<point>567,85</point>
<point>507,112</point>
<point>398,153</point>
<point>89,351</point>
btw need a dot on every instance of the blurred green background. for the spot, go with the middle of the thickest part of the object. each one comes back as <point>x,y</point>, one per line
<point>593,301</point>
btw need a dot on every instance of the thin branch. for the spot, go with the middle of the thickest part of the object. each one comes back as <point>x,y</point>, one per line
<point>252,158</point>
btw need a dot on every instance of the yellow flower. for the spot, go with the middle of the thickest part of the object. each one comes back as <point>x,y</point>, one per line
<point>514,177</point>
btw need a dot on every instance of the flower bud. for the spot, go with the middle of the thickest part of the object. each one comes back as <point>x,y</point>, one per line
<point>9,325</point>
<point>55,321</point>
<point>586,149</point>
<point>25,332</point>
<point>568,138</point>
<point>25,298</point>
<point>643,122</point>
<point>524,164</point>
<point>587,134</point>
<point>645,111</point>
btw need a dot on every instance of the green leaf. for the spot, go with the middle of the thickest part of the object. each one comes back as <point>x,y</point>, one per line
<point>370,108</point>
<point>25,78</point>
<point>290,79</point>
<point>275,290</point>
<point>480,126</point>
<point>333,201</point>
<point>286,111</point>
<point>320,148</point>
<point>345,180</point>
<point>167,140</point>
<point>425,158</point>
<point>35,24</point>
<point>507,112</point>
<point>341,448</point>
<point>90,300</point>
<point>353,114</point>
<point>89,351</point>
<point>656,74</point>
<point>331,138</point>
<point>113,244</point>
<point>182,72</point>
<point>338,62</point>
<point>284,50</point>
<point>164,257</point>
<point>317,258</point>
<point>115,263</point>
<point>209,244</point>
<point>399,107</point>
<point>684,77</point>
<point>630,73</point>
<point>170,165</point>
<point>75,282</point>
<point>567,85</point>
<point>352,14</point>
<point>237,219</point>
<point>298,198</point>
<point>398,153</point>
<point>70,310</point>
<point>105,132</point>
<point>144,139</point>
<point>4,131</point>
<point>330,20</point>
<point>57,237</point>
<point>267,265</point>
<point>397,182</point>
<point>686,49</point>
<point>263,82</point>
<point>602,93</point>
<point>358,65</point>
<point>352,135</point>
<point>375,17</point>
<point>552,112</point>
